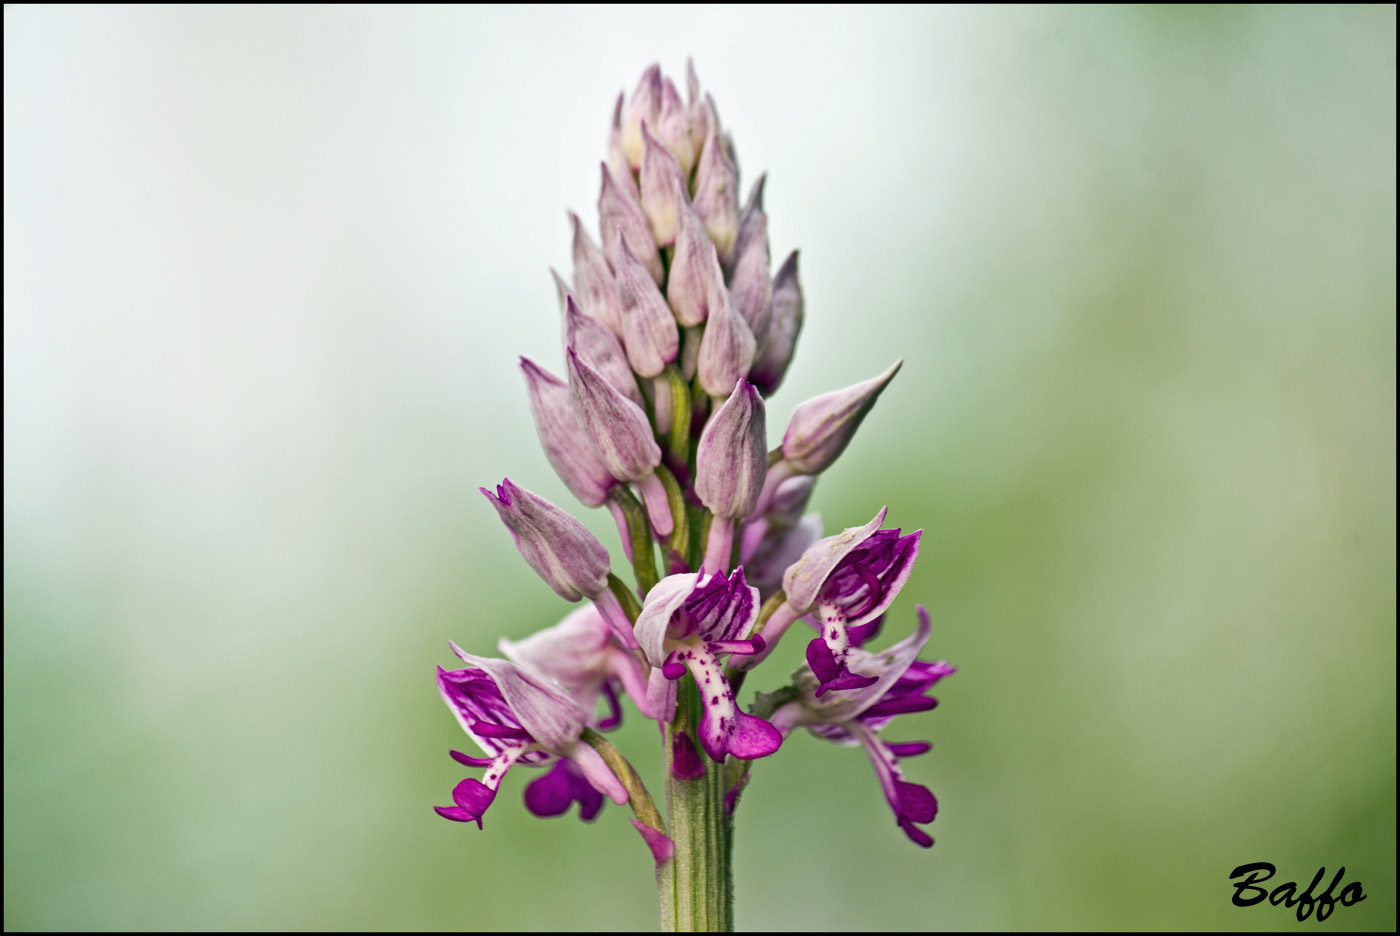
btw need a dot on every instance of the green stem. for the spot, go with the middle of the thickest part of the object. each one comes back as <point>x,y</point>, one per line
<point>639,531</point>
<point>624,597</point>
<point>701,889</point>
<point>680,415</point>
<point>680,533</point>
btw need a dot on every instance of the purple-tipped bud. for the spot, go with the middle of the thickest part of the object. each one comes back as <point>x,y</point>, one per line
<point>595,286</point>
<point>693,272</point>
<point>565,443</point>
<point>597,345</point>
<point>784,326</point>
<point>727,350</point>
<point>660,172</point>
<point>644,105</point>
<point>822,427</point>
<point>648,328</point>
<point>751,286</point>
<point>617,427</point>
<point>568,557</point>
<point>752,220</point>
<point>617,156</point>
<point>673,128</point>
<point>717,196</point>
<point>733,455</point>
<point>618,212</point>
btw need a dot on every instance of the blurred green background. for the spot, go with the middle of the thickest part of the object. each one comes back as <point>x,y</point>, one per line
<point>266,275</point>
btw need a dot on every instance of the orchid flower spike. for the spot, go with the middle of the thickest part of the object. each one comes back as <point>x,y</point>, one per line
<point>514,716</point>
<point>858,717</point>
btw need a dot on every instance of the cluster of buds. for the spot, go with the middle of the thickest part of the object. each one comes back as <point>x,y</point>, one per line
<point>676,329</point>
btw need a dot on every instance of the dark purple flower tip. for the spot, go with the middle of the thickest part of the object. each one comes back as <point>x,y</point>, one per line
<point>469,761</point>
<point>472,798</point>
<point>909,748</point>
<point>685,760</point>
<point>487,729</point>
<point>867,579</point>
<point>833,673</point>
<point>916,805</point>
<point>553,793</point>
<point>673,668</point>
<point>662,848</point>
<point>752,737</point>
<point>899,706</point>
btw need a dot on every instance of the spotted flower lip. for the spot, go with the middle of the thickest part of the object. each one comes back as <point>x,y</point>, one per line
<point>515,717</point>
<point>690,620</point>
<point>858,716</point>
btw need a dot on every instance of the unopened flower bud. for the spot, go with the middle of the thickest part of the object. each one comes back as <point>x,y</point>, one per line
<point>752,219</point>
<point>727,350</point>
<point>821,428</point>
<point>648,328</point>
<point>617,156</point>
<point>617,427</point>
<point>619,212</point>
<point>673,128</point>
<point>717,196</point>
<point>751,286</point>
<point>597,345</point>
<point>733,455</point>
<point>784,326</point>
<point>562,290</point>
<point>565,443</point>
<point>644,105</point>
<point>568,557</point>
<point>595,286</point>
<point>692,271</point>
<point>660,172</point>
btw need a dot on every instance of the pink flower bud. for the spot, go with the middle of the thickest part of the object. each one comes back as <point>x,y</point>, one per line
<point>727,350</point>
<point>750,285</point>
<point>617,427</point>
<point>565,443</point>
<point>822,427</point>
<point>784,326</point>
<point>660,173</point>
<point>595,286</point>
<point>717,196</point>
<point>568,557</point>
<point>645,105</point>
<point>618,211</point>
<point>692,271</point>
<point>732,458</point>
<point>597,345</point>
<point>648,327</point>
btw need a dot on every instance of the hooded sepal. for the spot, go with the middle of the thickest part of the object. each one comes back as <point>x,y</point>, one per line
<point>694,275</point>
<point>596,344</point>
<point>750,286</point>
<point>645,105</point>
<point>660,173</point>
<point>717,195</point>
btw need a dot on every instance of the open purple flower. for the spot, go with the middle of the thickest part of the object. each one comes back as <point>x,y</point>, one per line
<point>515,716</point>
<point>847,581</point>
<point>857,717</point>
<point>688,622</point>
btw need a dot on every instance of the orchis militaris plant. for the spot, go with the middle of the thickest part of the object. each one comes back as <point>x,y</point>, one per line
<point>675,330</point>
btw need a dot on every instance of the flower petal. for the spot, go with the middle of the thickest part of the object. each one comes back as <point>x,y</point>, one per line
<point>804,578</point>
